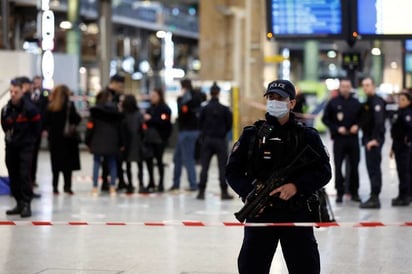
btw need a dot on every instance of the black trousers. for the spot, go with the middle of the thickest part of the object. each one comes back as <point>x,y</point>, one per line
<point>18,162</point>
<point>346,148</point>
<point>35,158</point>
<point>213,146</point>
<point>402,158</point>
<point>373,165</point>
<point>299,248</point>
<point>67,178</point>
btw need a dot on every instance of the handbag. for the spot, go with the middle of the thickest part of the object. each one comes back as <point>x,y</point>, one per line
<point>69,130</point>
<point>151,136</point>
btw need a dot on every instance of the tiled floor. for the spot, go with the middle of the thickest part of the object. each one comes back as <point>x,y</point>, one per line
<point>175,248</point>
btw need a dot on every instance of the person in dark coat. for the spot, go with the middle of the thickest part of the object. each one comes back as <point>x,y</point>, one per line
<point>64,150</point>
<point>157,119</point>
<point>103,137</point>
<point>20,121</point>
<point>215,122</point>
<point>401,133</point>
<point>116,90</point>
<point>373,138</point>
<point>188,105</point>
<point>132,132</point>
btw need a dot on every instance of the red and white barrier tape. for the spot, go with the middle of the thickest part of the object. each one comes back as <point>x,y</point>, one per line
<point>203,224</point>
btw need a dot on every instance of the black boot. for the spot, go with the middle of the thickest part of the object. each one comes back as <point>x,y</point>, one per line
<point>400,201</point>
<point>151,187</point>
<point>355,198</point>
<point>15,210</point>
<point>372,203</point>
<point>25,210</point>
<point>201,194</point>
<point>105,186</point>
<point>130,188</point>
<point>160,187</point>
<point>122,185</point>
<point>225,195</point>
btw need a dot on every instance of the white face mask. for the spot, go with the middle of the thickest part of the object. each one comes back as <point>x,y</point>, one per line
<point>276,108</point>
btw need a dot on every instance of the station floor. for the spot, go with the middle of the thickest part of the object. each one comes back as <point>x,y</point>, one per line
<point>123,234</point>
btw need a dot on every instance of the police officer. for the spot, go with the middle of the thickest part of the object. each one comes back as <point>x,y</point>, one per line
<point>401,133</point>
<point>341,116</point>
<point>40,99</point>
<point>262,149</point>
<point>20,121</point>
<point>215,122</point>
<point>373,137</point>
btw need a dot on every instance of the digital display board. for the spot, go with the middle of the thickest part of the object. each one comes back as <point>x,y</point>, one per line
<point>384,17</point>
<point>408,44</point>
<point>304,18</point>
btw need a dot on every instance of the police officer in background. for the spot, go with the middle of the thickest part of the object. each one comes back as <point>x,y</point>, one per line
<point>401,133</point>
<point>20,121</point>
<point>40,98</point>
<point>262,149</point>
<point>341,116</point>
<point>215,122</point>
<point>373,129</point>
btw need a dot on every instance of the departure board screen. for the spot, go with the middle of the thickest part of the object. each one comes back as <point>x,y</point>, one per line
<point>384,17</point>
<point>305,18</point>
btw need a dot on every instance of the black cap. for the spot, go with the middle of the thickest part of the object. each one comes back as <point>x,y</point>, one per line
<point>284,88</point>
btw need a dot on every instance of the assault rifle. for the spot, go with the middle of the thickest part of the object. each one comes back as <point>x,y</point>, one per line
<point>259,197</point>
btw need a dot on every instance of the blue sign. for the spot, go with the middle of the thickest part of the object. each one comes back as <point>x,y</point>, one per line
<point>290,18</point>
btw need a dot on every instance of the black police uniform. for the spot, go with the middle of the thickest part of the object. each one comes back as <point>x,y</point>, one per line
<point>373,128</point>
<point>342,112</point>
<point>21,125</point>
<point>256,158</point>
<point>41,100</point>
<point>401,133</point>
<point>215,122</point>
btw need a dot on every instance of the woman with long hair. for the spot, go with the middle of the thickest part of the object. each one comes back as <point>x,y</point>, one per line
<point>157,118</point>
<point>64,149</point>
<point>132,132</point>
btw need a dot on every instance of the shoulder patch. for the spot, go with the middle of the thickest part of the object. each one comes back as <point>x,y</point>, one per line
<point>407,118</point>
<point>378,108</point>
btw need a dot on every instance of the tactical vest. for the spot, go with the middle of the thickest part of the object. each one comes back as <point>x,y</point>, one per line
<point>273,147</point>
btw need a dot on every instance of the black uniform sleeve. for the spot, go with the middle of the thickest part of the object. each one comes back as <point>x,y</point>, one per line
<point>228,119</point>
<point>237,167</point>
<point>315,176</point>
<point>327,118</point>
<point>379,119</point>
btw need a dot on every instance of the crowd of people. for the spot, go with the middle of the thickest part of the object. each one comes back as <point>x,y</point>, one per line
<point>117,134</point>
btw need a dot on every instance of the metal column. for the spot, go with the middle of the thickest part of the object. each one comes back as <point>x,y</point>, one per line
<point>105,31</point>
<point>5,16</point>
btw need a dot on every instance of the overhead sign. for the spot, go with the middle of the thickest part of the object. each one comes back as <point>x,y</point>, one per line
<point>297,18</point>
